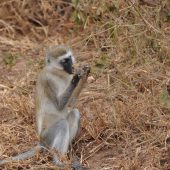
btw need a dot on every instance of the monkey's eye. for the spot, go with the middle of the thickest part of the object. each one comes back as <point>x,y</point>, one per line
<point>67,60</point>
<point>67,65</point>
<point>48,60</point>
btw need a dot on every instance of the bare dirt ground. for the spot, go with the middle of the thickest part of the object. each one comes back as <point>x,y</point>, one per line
<point>125,106</point>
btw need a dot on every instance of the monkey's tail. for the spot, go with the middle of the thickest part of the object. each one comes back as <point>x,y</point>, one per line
<point>25,155</point>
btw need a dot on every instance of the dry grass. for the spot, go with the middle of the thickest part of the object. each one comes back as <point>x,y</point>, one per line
<point>125,109</point>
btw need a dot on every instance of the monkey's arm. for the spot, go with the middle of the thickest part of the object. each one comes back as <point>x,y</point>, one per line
<point>62,100</point>
<point>84,75</point>
<point>65,98</point>
<point>72,91</point>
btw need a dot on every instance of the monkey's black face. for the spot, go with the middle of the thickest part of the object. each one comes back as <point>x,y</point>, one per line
<point>67,64</point>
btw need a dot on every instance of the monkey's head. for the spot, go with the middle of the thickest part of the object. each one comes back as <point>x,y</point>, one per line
<point>60,57</point>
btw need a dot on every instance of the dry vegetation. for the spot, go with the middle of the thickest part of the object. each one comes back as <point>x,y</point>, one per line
<point>126,105</point>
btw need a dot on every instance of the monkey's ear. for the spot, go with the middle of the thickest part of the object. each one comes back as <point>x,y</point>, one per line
<point>47,60</point>
<point>47,56</point>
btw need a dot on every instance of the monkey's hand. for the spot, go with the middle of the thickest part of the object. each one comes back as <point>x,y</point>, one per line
<point>86,70</point>
<point>82,73</point>
<point>76,79</point>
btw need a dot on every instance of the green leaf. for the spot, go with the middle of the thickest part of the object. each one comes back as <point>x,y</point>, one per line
<point>10,59</point>
<point>165,99</point>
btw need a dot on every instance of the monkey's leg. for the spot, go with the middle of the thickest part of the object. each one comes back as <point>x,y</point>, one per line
<point>74,123</point>
<point>74,126</point>
<point>57,137</point>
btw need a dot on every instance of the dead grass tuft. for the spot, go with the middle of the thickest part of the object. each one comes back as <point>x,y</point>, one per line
<point>125,107</point>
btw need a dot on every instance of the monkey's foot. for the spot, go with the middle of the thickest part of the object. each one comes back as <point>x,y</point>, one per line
<point>76,166</point>
<point>58,163</point>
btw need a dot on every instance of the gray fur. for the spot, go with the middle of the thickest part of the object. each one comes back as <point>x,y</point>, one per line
<point>57,125</point>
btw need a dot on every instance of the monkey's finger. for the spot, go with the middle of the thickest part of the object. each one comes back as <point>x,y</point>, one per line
<point>86,69</point>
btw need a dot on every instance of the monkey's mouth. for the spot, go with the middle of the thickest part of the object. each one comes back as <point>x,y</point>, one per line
<point>69,70</point>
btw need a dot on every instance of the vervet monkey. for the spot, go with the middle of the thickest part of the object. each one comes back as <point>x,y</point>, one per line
<point>56,90</point>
